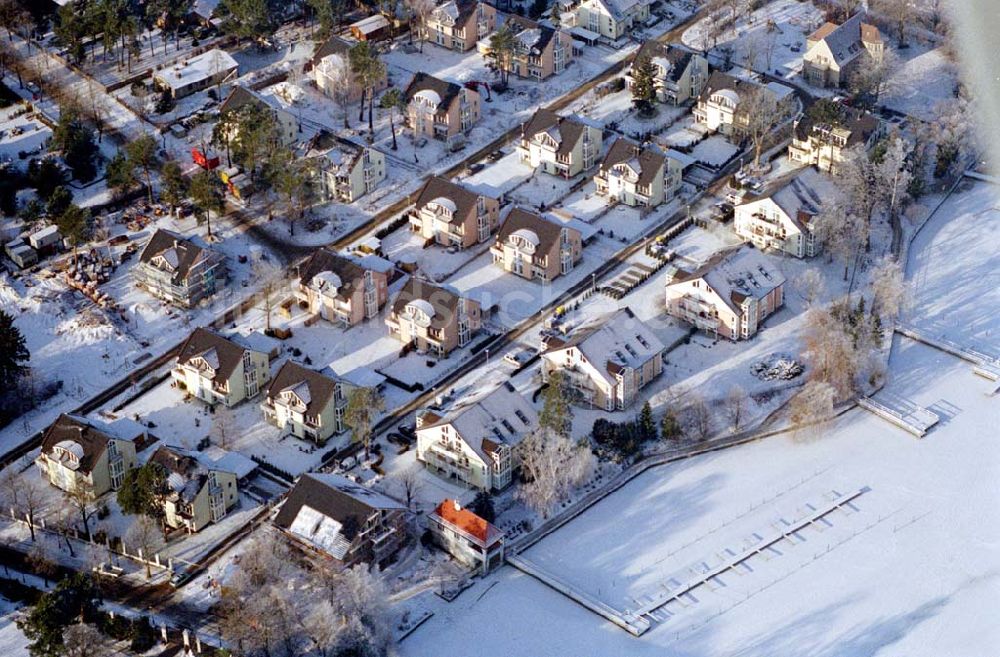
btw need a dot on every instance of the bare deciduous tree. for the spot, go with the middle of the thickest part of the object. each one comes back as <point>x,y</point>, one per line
<point>553,465</point>
<point>810,285</point>
<point>699,416</point>
<point>30,502</point>
<point>420,12</point>
<point>888,287</point>
<point>84,640</point>
<point>39,561</point>
<point>841,232</point>
<point>223,426</point>
<point>144,535</point>
<point>831,351</point>
<point>759,113</point>
<point>735,405</point>
<point>812,405</point>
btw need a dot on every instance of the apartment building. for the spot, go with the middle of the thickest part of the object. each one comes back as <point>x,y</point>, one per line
<point>607,361</point>
<point>536,247</point>
<point>453,215</point>
<point>718,106</point>
<point>343,288</point>
<point>612,19</point>
<point>350,171</point>
<point>472,440</point>
<point>305,403</point>
<point>680,73</point>
<point>459,24</point>
<point>433,318</point>
<point>82,455</point>
<point>199,492</point>
<point>441,110</point>
<point>179,271</point>
<point>219,370</point>
<point>541,50</point>
<point>834,52</point>
<point>465,536</point>
<point>783,220</point>
<point>331,70</point>
<point>640,176</point>
<point>558,145</point>
<point>728,296</point>
<point>824,143</point>
<point>345,522</point>
<point>240,96</point>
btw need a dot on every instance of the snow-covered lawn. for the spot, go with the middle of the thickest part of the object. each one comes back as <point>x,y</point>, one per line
<point>585,203</point>
<point>543,189</point>
<point>714,151</point>
<point>436,262</point>
<point>954,270</point>
<point>13,643</point>
<point>921,83</point>
<point>20,134</point>
<point>683,133</point>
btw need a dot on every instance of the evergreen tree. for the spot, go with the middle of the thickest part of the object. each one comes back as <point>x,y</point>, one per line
<point>141,155</point>
<point>164,103</point>
<point>13,352</point>
<point>74,224</point>
<point>173,184</point>
<point>143,490</point>
<point>118,175</point>
<point>58,201</point>
<point>647,426</point>
<point>503,46</point>
<point>75,599</point>
<point>556,413</point>
<point>207,195</point>
<point>670,428</point>
<point>643,85</point>
<point>482,506</point>
<point>393,100</point>
<point>537,8</point>
<point>76,141</point>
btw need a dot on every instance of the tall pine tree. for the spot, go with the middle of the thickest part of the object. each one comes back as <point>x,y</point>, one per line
<point>13,352</point>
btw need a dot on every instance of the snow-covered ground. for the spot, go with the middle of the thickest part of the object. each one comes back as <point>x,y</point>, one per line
<point>908,568</point>
<point>13,643</point>
<point>921,83</point>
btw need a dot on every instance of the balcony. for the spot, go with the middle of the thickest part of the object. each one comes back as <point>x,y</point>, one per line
<point>697,313</point>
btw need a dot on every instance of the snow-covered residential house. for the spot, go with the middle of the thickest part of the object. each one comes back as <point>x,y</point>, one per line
<point>467,537</point>
<point>730,295</point>
<point>824,143</point>
<point>305,403</point>
<point>197,73</point>
<point>240,96</point>
<point>331,69</point>
<point>536,247</point>
<point>216,370</point>
<point>718,106</point>
<point>343,288</point>
<point>440,109</point>
<point>433,318</point>
<point>179,271</point>
<point>612,19</point>
<point>561,146</point>
<point>453,215</point>
<point>459,24</point>
<point>79,454</point>
<point>834,52</point>
<point>680,73</point>
<point>640,176</point>
<point>472,441</point>
<point>348,171</point>
<point>542,51</point>
<point>607,361</point>
<point>342,520</point>
<point>784,220</point>
<point>200,492</point>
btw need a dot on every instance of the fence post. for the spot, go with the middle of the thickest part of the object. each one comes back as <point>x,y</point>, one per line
<point>163,632</point>
<point>197,644</point>
<point>187,639</point>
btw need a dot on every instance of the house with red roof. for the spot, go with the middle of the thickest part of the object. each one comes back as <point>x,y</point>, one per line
<point>466,536</point>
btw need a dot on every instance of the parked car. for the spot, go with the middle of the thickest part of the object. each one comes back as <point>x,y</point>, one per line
<point>517,357</point>
<point>407,430</point>
<point>397,439</point>
<point>475,167</point>
<point>348,463</point>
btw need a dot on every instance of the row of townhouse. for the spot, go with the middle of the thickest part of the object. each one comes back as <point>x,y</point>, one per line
<point>85,456</point>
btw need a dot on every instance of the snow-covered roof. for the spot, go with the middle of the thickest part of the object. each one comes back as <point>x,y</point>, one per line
<point>363,377</point>
<point>216,458</point>
<point>445,203</point>
<point>527,235</point>
<point>197,69</point>
<point>735,275</point>
<point>320,530</point>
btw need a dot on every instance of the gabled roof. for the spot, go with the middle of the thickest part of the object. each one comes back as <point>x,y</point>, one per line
<point>186,476</point>
<point>846,41</point>
<point>314,389</point>
<point>335,45</point>
<point>534,37</point>
<point>462,198</point>
<point>565,131</point>
<point>546,230</point>
<point>450,512</point>
<point>613,343</point>
<point>672,57</point>
<point>719,81</point>
<point>797,200</point>
<point>349,272</point>
<point>179,254</point>
<point>442,301</point>
<point>647,162</point>
<point>328,510</point>
<point>446,91</point>
<point>619,9</point>
<point>86,439</point>
<point>222,354</point>
<point>736,274</point>
<point>487,420</point>
<point>458,10</point>
<point>860,124</point>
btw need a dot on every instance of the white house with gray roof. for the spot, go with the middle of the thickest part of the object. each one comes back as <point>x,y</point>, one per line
<point>834,52</point>
<point>472,440</point>
<point>612,19</point>
<point>730,295</point>
<point>607,361</point>
<point>784,220</point>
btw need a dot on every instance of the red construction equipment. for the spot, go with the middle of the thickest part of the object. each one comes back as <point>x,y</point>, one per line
<point>476,85</point>
<point>203,160</point>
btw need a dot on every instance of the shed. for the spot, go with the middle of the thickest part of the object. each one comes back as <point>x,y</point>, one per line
<point>373,28</point>
<point>21,254</point>
<point>45,240</point>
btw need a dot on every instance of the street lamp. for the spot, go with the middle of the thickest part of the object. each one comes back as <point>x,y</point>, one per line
<point>593,281</point>
<point>487,356</point>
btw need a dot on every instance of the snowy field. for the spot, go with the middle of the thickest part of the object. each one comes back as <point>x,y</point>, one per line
<point>13,643</point>
<point>887,575</point>
<point>954,270</point>
<point>921,83</point>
